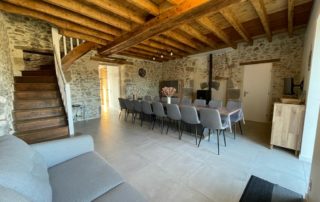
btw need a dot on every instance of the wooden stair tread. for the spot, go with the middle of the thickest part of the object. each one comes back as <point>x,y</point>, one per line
<point>45,94</point>
<point>38,72</point>
<point>37,103</point>
<point>39,123</point>
<point>41,135</point>
<point>35,79</point>
<point>38,119</point>
<point>35,86</point>
<point>27,114</point>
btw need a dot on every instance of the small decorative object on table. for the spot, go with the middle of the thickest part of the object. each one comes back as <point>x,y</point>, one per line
<point>168,91</point>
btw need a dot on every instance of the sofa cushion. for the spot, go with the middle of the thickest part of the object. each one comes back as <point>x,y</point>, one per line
<point>23,170</point>
<point>83,178</point>
<point>122,192</point>
<point>9,195</point>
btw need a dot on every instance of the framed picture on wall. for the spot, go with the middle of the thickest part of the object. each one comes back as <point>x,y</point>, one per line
<point>310,59</point>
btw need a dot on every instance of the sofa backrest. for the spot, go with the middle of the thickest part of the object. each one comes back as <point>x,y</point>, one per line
<point>23,170</point>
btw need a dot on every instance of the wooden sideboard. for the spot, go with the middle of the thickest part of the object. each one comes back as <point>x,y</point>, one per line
<point>287,126</point>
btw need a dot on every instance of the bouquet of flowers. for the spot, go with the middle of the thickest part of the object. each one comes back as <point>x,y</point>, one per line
<point>168,91</point>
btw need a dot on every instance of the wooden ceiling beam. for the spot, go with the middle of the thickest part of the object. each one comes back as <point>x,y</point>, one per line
<point>83,9</point>
<point>290,16</point>
<point>140,56</point>
<point>262,13</point>
<point>146,5</point>
<point>119,61</point>
<point>65,14</point>
<point>182,13</point>
<point>198,35</point>
<point>208,24</point>
<point>154,51</point>
<point>175,2</point>
<point>172,44</point>
<point>116,8</point>
<point>143,52</point>
<point>182,39</point>
<point>76,53</point>
<point>228,14</point>
<point>62,24</point>
<point>78,35</point>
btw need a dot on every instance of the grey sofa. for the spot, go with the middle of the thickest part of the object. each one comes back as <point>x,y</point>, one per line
<point>61,170</point>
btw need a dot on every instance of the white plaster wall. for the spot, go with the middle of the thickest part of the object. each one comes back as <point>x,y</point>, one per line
<point>312,40</point>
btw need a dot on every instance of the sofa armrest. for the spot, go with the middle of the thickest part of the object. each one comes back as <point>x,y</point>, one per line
<point>58,151</point>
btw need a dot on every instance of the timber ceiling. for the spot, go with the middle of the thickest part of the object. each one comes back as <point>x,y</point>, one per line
<point>149,28</point>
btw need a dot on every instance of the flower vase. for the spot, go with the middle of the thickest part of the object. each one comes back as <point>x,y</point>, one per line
<point>169,100</point>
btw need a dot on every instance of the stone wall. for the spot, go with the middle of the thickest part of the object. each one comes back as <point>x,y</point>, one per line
<point>85,85</point>
<point>132,84</point>
<point>29,33</point>
<point>226,63</point>
<point>6,82</point>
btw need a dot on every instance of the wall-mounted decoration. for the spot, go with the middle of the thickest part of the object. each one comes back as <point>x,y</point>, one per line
<point>142,72</point>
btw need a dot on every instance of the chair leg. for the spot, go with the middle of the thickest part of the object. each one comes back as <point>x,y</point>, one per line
<point>234,131</point>
<point>224,137</point>
<point>179,128</point>
<point>154,122</point>
<point>168,126</point>
<point>120,114</point>
<point>240,127</point>
<point>196,134</point>
<point>201,136</point>
<point>218,133</point>
<point>209,134</point>
<point>162,124</point>
<point>141,117</point>
<point>181,131</point>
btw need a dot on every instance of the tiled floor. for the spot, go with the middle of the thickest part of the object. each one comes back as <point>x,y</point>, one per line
<point>166,169</point>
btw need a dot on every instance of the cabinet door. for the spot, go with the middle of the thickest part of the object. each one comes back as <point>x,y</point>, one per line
<point>287,125</point>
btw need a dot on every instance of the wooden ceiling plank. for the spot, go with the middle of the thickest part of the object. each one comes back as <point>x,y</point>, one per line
<point>65,14</point>
<point>208,24</point>
<point>290,16</point>
<point>78,35</point>
<point>161,47</point>
<point>262,13</point>
<point>118,9</point>
<point>182,39</point>
<point>146,5</point>
<point>63,24</point>
<point>172,44</point>
<point>182,13</point>
<point>79,7</point>
<point>140,56</point>
<point>154,51</point>
<point>198,35</point>
<point>175,2</point>
<point>228,14</point>
<point>76,53</point>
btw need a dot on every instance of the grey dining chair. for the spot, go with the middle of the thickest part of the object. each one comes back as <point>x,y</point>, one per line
<point>215,104</point>
<point>147,98</point>
<point>164,99</point>
<point>186,101</point>
<point>158,111</point>
<point>122,106</point>
<point>210,119</point>
<point>156,98</point>
<point>130,109</point>
<point>137,109</point>
<point>189,115</point>
<point>237,117</point>
<point>199,103</point>
<point>174,115</point>
<point>146,111</point>
<point>175,100</point>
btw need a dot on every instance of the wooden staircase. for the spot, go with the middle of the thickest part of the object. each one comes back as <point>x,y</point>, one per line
<point>39,114</point>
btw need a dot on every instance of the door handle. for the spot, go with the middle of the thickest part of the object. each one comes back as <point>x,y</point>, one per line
<point>245,93</point>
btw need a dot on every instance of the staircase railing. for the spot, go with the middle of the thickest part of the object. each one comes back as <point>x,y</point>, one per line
<point>64,86</point>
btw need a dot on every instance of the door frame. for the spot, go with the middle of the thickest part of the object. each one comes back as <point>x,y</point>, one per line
<point>269,101</point>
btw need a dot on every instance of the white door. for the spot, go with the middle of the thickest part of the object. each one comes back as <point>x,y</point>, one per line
<point>113,86</point>
<point>256,92</point>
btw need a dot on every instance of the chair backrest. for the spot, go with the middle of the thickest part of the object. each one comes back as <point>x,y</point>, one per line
<point>175,100</point>
<point>186,101</point>
<point>158,109</point>
<point>173,111</point>
<point>215,104</point>
<point>137,106</point>
<point>156,98</point>
<point>164,99</point>
<point>146,107</point>
<point>189,114</point>
<point>129,104</point>
<point>210,118</point>
<point>122,103</point>
<point>235,104</point>
<point>200,102</point>
<point>147,98</point>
